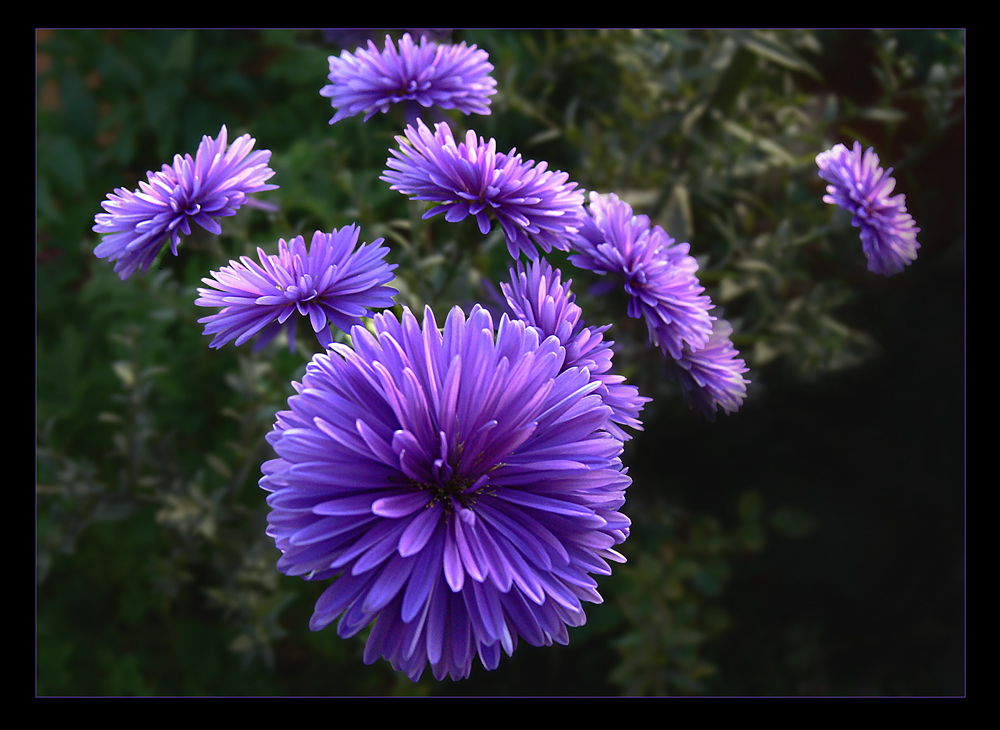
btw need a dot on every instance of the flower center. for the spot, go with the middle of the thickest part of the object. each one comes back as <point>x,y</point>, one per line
<point>302,291</point>
<point>448,485</point>
<point>180,204</point>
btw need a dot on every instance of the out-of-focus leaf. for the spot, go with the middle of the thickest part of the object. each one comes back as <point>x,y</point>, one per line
<point>772,49</point>
<point>776,151</point>
<point>757,265</point>
<point>61,158</point>
<point>678,218</point>
<point>125,372</point>
<point>737,75</point>
<point>113,511</point>
<point>884,115</point>
<point>730,289</point>
<point>542,137</point>
<point>219,465</point>
<point>763,353</point>
<point>180,57</point>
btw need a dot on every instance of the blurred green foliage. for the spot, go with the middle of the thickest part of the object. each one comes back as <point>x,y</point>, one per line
<point>154,573</point>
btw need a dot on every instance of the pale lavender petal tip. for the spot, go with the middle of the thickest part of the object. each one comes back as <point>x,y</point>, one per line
<point>659,275</point>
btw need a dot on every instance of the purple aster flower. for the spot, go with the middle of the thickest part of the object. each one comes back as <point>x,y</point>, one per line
<point>534,205</point>
<point>212,185</point>
<point>659,275</point>
<point>448,76</point>
<point>334,282</point>
<point>538,298</point>
<point>460,486</point>
<point>712,377</point>
<point>859,186</point>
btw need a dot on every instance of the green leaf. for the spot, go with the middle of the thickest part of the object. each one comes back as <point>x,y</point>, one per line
<point>180,57</point>
<point>884,115</point>
<point>125,372</point>
<point>773,50</point>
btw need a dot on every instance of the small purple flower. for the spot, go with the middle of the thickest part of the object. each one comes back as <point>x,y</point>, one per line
<point>859,186</point>
<point>212,185</point>
<point>331,283</point>
<point>534,205</point>
<point>712,377</point>
<point>659,275</point>
<point>448,76</point>
<point>538,298</point>
<point>459,485</point>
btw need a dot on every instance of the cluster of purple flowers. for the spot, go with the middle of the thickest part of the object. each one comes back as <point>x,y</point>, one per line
<point>660,277</point>
<point>538,298</point>
<point>461,484</point>
<point>859,186</point>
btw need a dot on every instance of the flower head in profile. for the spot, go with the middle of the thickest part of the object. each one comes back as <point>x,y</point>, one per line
<point>448,76</point>
<point>459,485</point>
<point>534,205</point>
<point>658,274</point>
<point>333,282</point>
<point>712,377</point>
<point>538,298</point>
<point>859,186</point>
<point>212,185</point>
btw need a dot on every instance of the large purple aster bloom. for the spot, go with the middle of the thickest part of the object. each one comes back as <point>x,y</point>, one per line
<point>212,185</point>
<point>659,275</point>
<point>539,298</point>
<point>448,76</point>
<point>533,204</point>
<point>333,282</point>
<point>712,377</point>
<point>459,485</point>
<point>859,186</point>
